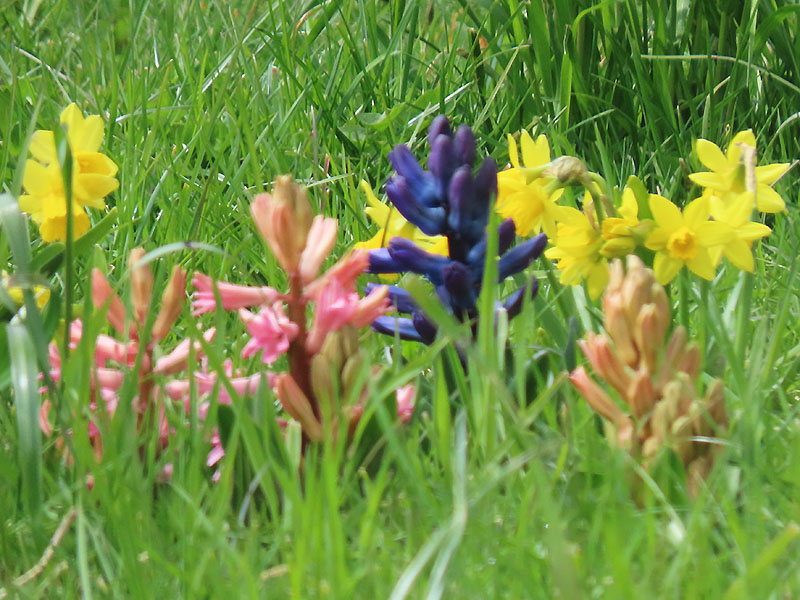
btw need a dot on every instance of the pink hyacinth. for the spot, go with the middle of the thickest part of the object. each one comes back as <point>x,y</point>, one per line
<point>233,296</point>
<point>270,331</point>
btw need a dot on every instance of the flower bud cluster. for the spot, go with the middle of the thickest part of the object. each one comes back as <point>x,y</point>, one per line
<point>656,377</point>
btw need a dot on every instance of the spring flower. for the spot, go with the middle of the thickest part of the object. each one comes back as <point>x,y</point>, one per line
<point>522,192</point>
<point>46,202</point>
<point>321,368</point>
<point>656,378</point>
<point>93,176</point>
<point>736,214</point>
<point>578,252</point>
<point>392,224</point>
<point>684,238</point>
<point>270,332</point>
<point>623,231</point>
<point>727,176</point>
<point>451,201</point>
<point>113,358</point>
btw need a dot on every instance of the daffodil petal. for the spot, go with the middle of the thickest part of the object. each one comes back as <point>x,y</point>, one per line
<point>710,180</point>
<point>597,279</point>
<point>768,200</point>
<point>37,179</point>
<point>665,268</point>
<point>714,233</point>
<point>97,163</point>
<point>541,151</point>
<point>665,213</point>
<point>768,174</point>
<point>740,254</point>
<point>43,146</point>
<point>701,265</point>
<point>528,147</point>
<point>696,212</point>
<point>513,156</point>
<point>749,232</point>
<point>88,136</point>
<point>711,156</point>
<point>90,187</point>
<point>30,204</point>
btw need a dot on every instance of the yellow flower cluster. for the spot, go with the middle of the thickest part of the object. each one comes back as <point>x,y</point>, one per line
<point>714,225</point>
<point>93,176</point>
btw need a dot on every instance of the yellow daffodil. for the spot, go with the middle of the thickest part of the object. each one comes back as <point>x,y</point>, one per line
<point>744,232</point>
<point>684,238</point>
<point>727,179</point>
<point>522,192</point>
<point>576,251</point>
<point>46,202</point>
<point>621,232</point>
<point>393,224</point>
<point>92,176</point>
<point>40,292</point>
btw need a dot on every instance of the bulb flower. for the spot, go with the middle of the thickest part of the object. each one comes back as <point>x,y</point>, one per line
<point>93,176</point>
<point>656,377</point>
<point>451,200</point>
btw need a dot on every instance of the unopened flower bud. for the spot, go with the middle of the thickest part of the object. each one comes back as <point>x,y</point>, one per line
<point>141,285</point>
<point>171,303</point>
<point>568,170</point>
<point>102,294</point>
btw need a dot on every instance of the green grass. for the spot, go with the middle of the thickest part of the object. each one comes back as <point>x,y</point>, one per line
<point>503,485</point>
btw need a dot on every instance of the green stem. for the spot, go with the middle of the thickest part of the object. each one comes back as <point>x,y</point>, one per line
<point>65,161</point>
<point>743,315</point>
<point>683,291</point>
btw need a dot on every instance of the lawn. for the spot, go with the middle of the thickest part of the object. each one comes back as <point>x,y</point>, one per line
<point>504,482</point>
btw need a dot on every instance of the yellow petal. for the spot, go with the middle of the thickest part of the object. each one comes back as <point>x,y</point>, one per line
<point>540,153</point>
<point>710,180</point>
<point>696,212</point>
<point>739,253</point>
<point>711,156</point>
<point>701,265</point>
<point>737,212</point>
<point>768,200</point>
<point>597,279</point>
<point>750,232</point>
<point>665,268</point>
<point>665,213</point>
<point>713,233</point>
<point>72,116</point>
<point>769,174</point>
<point>88,135</point>
<point>629,208</point>
<point>37,179</point>
<point>30,204</point>
<point>96,162</point>
<point>657,240</point>
<point>43,146</point>
<point>90,187</point>
<point>513,156</point>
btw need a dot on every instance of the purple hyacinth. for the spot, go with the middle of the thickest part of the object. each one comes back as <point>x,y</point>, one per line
<point>453,200</point>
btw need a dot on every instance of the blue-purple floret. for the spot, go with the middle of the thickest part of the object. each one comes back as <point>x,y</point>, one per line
<point>452,200</point>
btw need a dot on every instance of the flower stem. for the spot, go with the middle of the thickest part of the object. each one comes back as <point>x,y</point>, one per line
<point>299,360</point>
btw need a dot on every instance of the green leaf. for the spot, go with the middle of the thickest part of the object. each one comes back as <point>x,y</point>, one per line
<point>24,378</point>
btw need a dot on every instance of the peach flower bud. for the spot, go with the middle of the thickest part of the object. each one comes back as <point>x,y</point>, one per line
<point>619,329</point>
<point>294,401</point>
<point>141,285</point>
<point>171,303</point>
<point>102,294</point>
<point>597,398</point>
<point>320,242</point>
<point>605,362</point>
